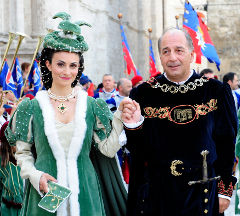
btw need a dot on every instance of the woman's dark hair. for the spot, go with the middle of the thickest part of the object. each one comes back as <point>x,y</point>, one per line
<point>6,152</point>
<point>47,54</point>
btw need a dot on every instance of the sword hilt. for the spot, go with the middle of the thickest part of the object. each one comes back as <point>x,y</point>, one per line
<point>204,180</point>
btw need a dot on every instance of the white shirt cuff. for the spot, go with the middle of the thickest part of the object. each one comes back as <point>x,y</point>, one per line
<point>134,125</point>
<point>122,139</point>
<point>224,197</point>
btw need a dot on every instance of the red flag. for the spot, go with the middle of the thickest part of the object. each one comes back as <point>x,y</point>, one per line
<point>90,90</point>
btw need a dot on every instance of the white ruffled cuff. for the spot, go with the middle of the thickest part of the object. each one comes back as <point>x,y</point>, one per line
<point>224,197</point>
<point>134,125</point>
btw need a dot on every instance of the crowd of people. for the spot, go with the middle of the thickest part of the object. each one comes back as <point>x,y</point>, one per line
<point>163,146</point>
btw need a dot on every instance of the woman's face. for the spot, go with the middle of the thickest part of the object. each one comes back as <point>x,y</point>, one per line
<point>64,68</point>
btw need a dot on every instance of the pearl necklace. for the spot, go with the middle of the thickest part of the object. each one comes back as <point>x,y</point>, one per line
<point>62,108</point>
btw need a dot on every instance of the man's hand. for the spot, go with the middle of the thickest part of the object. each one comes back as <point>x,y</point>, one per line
<point>223,204</point>
<point>43,182</point>
<point>131,112</point>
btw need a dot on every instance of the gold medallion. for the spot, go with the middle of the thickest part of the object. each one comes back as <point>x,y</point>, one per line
<point>62,108</point>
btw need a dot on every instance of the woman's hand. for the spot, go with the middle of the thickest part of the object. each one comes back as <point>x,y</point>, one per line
<point>1,109</point>
<point>131,112</point>
<point>43,182</point>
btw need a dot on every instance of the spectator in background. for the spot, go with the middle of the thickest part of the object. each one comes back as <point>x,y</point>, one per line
<point>207,73</point>
<point>136,80</point>
<point>108,90</point>
<point>85,82</point>
<point>25,66</point>
<point>232,79</point>
<point>124,86</point>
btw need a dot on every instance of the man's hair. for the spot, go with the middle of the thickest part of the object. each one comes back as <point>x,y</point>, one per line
<point>120,83</point>
<point>108,75</point>
<point>206,71</point>
<point>228,76</point>
<point>25,65</point>
<point>174,30</point>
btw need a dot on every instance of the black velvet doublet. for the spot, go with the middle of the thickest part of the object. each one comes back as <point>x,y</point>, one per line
<point>179,124</point>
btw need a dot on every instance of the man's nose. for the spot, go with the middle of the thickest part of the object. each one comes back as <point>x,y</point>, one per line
<point>173,56</point>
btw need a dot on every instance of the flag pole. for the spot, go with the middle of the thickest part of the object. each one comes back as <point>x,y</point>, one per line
<point>150,37</point>
<point>120,19</point>
<point>40,40</point>
<point>21,36</point>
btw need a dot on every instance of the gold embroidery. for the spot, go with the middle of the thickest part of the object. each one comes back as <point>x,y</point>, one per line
<point>182,114</point>
<point>205,109</point>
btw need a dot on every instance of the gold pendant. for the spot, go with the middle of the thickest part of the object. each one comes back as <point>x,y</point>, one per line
<point>62,108</point>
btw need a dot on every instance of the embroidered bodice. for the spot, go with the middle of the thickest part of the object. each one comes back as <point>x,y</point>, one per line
<point>65,133</point>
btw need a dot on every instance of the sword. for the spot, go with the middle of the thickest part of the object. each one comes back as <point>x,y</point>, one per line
<point>204,171</point>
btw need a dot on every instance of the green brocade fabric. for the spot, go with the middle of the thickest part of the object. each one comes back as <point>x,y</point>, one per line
<point>237,152</point>
<point>12,188</point>
<point>69,39</point>
<point>101,191</point>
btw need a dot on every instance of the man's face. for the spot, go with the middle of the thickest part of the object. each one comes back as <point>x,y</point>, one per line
<point>126,88</point>
<point>234,84</point>
<point>108,83</point>
<point>175,56</point>
<point>138,83</point>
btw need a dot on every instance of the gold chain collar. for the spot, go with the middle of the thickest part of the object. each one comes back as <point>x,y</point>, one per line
<point>182,88</point>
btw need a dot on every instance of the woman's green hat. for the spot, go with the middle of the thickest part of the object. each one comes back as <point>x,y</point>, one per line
<point>70,38</point>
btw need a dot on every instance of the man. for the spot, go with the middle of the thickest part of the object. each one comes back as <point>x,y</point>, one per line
<point>184,116</point>
<point>207,73</point>
<point>108,90</point>
<point>232,79</point>
<point>85,82</point>
<point>124,87</point>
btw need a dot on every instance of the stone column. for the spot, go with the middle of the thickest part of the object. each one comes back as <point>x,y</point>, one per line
<point>144,23</point>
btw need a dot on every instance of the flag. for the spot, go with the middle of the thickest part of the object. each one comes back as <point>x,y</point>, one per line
<point>17,77</point>
<point>203,45</point>
<point>34,77</point>
<point>152,62</point>
<point>90,90</point>
<point>7,81</point>
<point>127,55</point>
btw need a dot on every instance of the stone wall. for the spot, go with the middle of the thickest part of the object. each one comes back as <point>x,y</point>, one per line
<point>224,20</point>
<point>105,55</point>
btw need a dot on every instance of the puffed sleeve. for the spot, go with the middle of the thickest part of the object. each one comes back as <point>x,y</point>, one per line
<point>226,126</point>
<point>134,135</point>
<point>107,129</point>
<point>19,132</point>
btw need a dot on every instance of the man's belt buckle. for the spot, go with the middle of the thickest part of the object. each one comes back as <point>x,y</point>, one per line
<point>173,167</point>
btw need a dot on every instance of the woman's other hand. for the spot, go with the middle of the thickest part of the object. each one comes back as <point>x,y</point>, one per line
<point>43,182</point>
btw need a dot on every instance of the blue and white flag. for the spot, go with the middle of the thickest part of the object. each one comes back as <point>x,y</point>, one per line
<point>34,77</point>
<point>7,81</point>
<point>17,77</point>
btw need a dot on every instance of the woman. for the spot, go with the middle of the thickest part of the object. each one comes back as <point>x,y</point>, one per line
<point>58,126</point>
<point>10,181</point>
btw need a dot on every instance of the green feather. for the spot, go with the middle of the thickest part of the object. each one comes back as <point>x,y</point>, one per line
<point>81,23</point>
<point>63,15</point>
